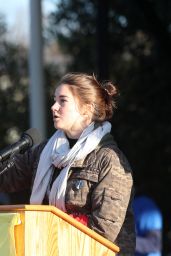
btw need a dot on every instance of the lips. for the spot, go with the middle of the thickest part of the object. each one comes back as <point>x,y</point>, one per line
<point>56,117</point>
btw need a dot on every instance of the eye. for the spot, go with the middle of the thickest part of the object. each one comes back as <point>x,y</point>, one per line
<point>63,100</point>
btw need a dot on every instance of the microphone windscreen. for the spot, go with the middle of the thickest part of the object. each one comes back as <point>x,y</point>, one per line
<point>34,136</point>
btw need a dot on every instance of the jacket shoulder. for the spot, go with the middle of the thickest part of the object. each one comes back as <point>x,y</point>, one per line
<point>109,151</point>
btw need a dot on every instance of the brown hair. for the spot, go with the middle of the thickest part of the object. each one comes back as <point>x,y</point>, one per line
<point>90,91</point>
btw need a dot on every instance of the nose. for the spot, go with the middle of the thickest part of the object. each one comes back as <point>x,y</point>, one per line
<point>55,107</point>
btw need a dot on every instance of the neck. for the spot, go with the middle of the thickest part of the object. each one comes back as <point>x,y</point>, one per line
<point>75,134</point>
<point>71,141</point>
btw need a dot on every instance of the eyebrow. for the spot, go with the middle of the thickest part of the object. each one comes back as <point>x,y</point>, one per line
<point>61,96</point>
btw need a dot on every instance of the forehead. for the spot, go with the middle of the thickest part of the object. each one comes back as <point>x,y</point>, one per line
<point>63,90</point>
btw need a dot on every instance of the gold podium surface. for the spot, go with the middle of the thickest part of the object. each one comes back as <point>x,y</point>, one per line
<point>40,230</point>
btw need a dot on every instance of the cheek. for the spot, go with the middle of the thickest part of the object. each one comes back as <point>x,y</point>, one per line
<point>74,115</point>
<point>67,114</point>
<point>74,112</point>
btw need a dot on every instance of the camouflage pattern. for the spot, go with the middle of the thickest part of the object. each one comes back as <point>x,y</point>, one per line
<point>100,186</point>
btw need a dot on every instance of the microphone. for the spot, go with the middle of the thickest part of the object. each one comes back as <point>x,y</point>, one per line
<point>28,139</point>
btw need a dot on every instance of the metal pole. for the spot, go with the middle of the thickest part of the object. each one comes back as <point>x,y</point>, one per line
<point>37,92</point>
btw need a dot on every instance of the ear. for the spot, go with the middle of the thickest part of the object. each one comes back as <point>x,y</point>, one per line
<point>92,108</point>
<point>88,111</point>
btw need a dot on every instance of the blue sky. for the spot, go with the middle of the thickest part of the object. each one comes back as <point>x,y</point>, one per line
<point>17,13</point>
<point>11,7</point>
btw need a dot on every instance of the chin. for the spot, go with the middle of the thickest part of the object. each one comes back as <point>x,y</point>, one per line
<point>58,126</point>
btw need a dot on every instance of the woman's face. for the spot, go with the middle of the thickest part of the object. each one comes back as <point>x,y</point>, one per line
<point>66,113</point>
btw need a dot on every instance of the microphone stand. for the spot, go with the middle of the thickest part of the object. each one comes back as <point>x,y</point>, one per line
<point>7,167</point>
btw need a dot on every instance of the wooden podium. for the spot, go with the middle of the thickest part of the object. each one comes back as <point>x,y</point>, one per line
<point>39,230</point>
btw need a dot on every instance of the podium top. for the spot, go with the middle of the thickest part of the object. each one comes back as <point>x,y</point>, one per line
<point>65,217</point>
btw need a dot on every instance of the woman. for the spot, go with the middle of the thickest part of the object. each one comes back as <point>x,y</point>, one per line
<point>80,169</point>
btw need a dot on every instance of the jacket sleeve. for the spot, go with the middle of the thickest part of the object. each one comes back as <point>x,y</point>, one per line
<point>19,176</point>
<point>111,196</point>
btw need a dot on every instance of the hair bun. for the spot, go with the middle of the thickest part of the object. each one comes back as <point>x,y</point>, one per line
<point>110,88</point>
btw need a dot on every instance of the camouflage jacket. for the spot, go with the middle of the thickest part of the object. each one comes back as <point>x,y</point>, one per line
<point>101,187</point>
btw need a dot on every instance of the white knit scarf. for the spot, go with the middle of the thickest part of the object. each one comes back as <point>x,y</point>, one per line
<point>57,153</point>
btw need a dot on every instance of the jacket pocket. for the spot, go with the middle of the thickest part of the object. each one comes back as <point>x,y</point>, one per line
<point>86,174</point>
<point>110,205</point>
<point>79,189</point>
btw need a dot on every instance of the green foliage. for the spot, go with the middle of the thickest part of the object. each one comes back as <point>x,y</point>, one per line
<point>73,24</point>
<point>13,90</point>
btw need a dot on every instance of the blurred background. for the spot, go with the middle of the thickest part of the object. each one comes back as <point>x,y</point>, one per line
<point>126,41</point>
